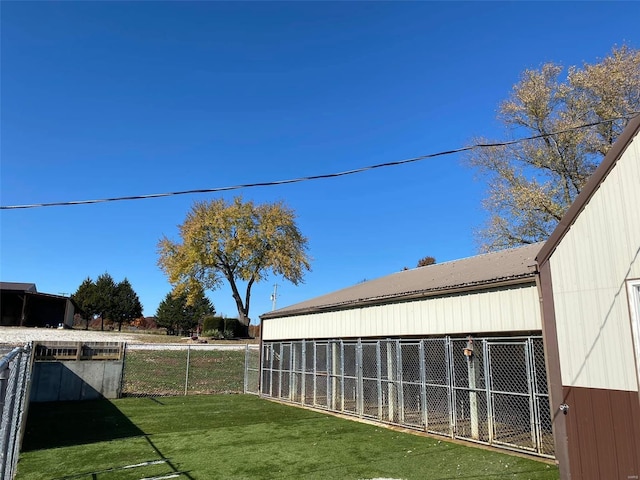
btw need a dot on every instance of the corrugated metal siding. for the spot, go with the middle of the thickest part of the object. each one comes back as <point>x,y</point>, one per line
<point>589,268</point>
<point>508,309</point>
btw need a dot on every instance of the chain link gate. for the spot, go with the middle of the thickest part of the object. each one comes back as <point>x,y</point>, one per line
<point>491,391</point>
<point>15,377</point>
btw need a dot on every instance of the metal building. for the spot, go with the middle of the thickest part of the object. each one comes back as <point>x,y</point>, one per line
<point>590,283</point>
<point>453,349</point>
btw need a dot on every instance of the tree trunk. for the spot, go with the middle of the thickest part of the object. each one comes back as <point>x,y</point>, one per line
<point>243,318</point>
<point>243,310</point>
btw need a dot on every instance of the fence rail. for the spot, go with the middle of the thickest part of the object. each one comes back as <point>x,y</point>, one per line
<point>61,350</point>
<point>15,368</point>
<point>487,390</point>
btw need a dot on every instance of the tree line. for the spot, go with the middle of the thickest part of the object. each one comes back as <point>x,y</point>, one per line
<point>104,299</point>
<point>109,302</point>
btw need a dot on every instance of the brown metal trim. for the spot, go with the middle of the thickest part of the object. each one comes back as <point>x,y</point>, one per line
<point>554,373</point>
<point>604,433</point>
<point>592,185</point>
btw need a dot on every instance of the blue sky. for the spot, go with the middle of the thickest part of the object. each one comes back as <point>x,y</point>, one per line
<point>107,99</point>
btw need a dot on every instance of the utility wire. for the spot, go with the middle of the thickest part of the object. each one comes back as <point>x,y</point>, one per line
<point>319,177</point>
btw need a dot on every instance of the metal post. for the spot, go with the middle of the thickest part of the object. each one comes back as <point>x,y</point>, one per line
<point>342,393</point>
<point>315,373</point>
<point>334,371</point>
<point>528,346</point>
<point>391,397</point>
<point>359,389</point>
<point>271,357</point>
<point>293,385</point>
<point>398,381</point>
<point>186,379</point>
<point>303,391</point>
<point>423,385</point>
<point>448,351</point>
<point>379,379</point>
<point>473,396</point>
<point>246,368</point>
<point>488,381</point>
<point>280,371</point>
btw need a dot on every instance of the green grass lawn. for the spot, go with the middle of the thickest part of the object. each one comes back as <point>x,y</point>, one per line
<point>239,436</point>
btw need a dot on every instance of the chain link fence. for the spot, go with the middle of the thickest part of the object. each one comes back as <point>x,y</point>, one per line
<point>163,370</point>
<point>15,370</point>
<point>486,390</point>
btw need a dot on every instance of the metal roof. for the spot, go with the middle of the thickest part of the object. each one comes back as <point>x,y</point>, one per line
<point>18,287</point>
<point>483,271</point>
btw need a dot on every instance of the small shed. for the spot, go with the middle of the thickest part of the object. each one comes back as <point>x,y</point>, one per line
<point>453,349</point>
<point>590,284</point>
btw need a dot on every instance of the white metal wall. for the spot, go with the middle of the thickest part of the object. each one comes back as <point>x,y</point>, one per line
<point>507,309</point>
<point>588,270</point>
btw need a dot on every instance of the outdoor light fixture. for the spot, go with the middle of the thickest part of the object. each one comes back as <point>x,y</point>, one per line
<point>468,351</point>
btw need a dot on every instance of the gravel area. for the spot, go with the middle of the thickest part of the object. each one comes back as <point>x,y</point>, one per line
<point>17,336</point>
<point>21,335</point>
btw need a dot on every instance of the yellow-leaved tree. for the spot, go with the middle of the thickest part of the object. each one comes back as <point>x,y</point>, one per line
<point>533,183</point>
<point>240,242</point>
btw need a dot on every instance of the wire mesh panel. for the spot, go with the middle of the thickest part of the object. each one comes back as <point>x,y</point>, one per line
<point>267,369</point>
<point>437,386</point>
<point>252,369</point>
<point>309,372</point>
<point>334,372</point>
<point>322,375</point>
<point>161,370</point>
<point>215,371</point>
<point>544,432</point>
<point>390,369</point>
<point>412,385</point>
<point>277,370</point>
<point>285,371</point>
<point>511,394</point>
<point>155,372</point>
<point>469,391</point>
<point>297,376</point>
<point>371,395</point>
<point>350,378</point>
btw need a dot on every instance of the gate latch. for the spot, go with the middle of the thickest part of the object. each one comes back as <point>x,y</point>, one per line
<point>564,408</point>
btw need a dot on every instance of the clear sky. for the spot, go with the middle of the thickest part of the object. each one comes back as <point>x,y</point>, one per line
<point>107,99</point>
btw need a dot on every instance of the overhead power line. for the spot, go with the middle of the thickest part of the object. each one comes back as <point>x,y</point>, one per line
<point>317,177</point>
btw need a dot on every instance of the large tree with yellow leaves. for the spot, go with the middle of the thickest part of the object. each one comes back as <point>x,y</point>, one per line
<point>533,183</point>
<point>240,242</point>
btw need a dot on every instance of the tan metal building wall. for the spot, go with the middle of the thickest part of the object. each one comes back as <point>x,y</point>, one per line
<point>589,268</point>
<point>509,309</point>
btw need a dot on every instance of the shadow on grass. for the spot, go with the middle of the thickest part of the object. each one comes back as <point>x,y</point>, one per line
<point>64,424</point>
<point>95,475</point>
